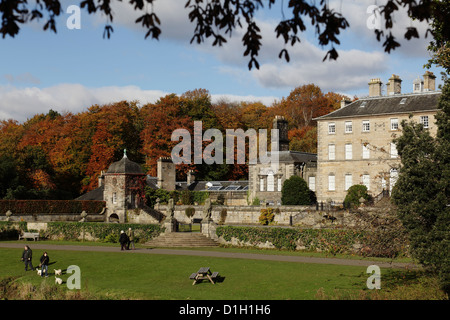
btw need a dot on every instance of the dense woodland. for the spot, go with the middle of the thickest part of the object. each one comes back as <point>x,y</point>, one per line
<point>59,156</point>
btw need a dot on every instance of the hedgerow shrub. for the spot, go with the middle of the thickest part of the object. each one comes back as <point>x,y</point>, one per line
<point>331,241</point>
<point>11,230</point>
<point>103,232</point>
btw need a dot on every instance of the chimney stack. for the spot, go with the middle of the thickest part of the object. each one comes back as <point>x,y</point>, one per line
<point>345,102</point>
<point>281,124</point>
<point>394,85</point>
<point>166,174</point>
<point>374,88</point>
<point>429,81</point>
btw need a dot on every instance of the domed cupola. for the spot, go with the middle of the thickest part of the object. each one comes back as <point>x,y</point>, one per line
<point>125,166</point>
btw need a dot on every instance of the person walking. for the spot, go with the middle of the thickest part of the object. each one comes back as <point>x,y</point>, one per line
<point>123,239</point>
<point>130,234</point>
<point>27,256</point>
<point>44,264</point>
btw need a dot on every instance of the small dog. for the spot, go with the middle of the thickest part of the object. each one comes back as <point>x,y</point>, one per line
<point>58,280</point>
<point>58,272</point>
<point>39,272</point>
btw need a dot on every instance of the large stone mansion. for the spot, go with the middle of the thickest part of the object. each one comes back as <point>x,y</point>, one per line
<point>354,147</point>
<point>355,142</point>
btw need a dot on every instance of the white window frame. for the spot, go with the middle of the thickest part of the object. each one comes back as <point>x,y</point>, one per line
<point>393,177</point>
<point>331,152</point>
<point>348,181</point>
<point>394,152</point>
<point>114,198</point>
<point>331,182</point>
<point>270,182</point>
<point>331,127</point>
<point>394,123</point>
<point>312,183</point>
<point>261,184</point>
<point>279,184</point>
<point>366,126</point>
<point>366,180</point>
<point>348,151</point>
<point>348,127</point>
<point>425,121</point>
<point>365,151</point>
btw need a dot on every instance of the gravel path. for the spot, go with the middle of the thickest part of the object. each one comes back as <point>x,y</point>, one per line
<point>217,254</point>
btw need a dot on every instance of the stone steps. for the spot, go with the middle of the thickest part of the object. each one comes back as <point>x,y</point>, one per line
<point>182,239</point>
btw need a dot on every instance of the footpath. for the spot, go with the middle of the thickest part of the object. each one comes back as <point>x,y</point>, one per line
<point>216,254</point>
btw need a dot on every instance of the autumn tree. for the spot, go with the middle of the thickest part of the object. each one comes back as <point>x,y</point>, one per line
<point>228,114</point>
<point>256,115</point>
<point>303,104</point>
<point>9,178</point>
<point>159,121</point>
<point>115,127</point>
<point>303,139</point>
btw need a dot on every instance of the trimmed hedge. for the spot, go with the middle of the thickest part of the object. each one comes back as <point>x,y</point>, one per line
<point>11,230</point>
<point>103,232</point>
<point>30,207</point>
<point>325,240</point>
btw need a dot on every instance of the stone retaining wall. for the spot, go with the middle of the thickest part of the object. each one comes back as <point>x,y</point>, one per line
<point>302,216</point>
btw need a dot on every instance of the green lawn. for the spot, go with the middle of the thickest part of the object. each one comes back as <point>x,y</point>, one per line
<point>149,276</point>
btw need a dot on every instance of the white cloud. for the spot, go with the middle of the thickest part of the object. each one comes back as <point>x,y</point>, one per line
<point>356,13</point>
<point>23,103</point>
<point>172,14</point>
<point>352,69</point>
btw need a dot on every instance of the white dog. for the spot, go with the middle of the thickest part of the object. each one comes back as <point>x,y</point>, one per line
<point>58,280</point>
<point>58,272</point>
<point>39,272</point>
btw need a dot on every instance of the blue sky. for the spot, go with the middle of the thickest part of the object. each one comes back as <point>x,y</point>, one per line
<point>74,69</point>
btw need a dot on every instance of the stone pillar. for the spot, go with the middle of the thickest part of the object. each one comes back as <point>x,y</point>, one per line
<point>170,225</point>
<point>209,229</point>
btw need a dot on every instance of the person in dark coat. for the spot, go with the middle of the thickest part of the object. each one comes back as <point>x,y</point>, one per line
<point>44,264</point>
<point>123,240</point>
<point>27,255</point>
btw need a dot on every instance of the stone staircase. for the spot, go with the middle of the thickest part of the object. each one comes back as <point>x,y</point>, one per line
<point>182,239</point>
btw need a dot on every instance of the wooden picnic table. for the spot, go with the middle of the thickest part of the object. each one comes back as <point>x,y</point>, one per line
<point>203,273</point>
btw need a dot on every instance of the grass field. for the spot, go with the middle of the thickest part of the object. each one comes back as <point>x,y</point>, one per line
<point>142,276</point>
<point>133,275</point>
